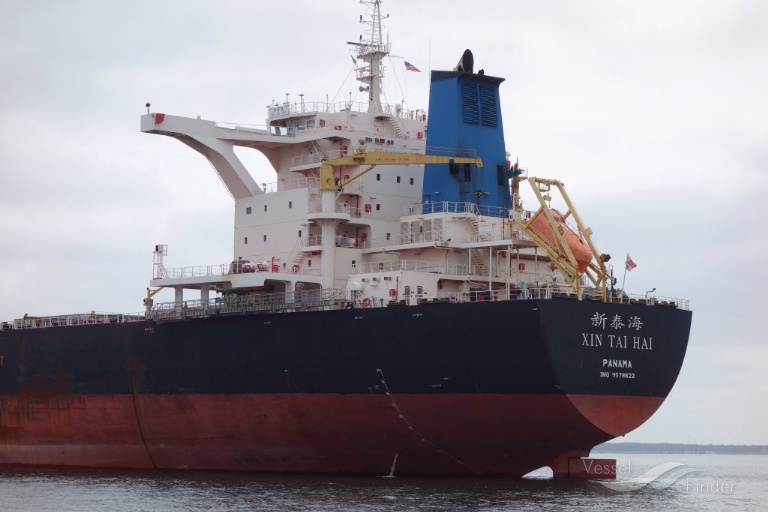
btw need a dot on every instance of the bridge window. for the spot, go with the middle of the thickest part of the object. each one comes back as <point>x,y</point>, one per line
<point>246,240</point>
<point>378,206</point>
<point>378,177</point>
<point>411,181</point>
<point>265,238</point>
<point>299,233</point>
<point>388,236</point>
<point>248,211</point>
<point>398,179</point>
<point>265,207</point>
<point>290,204</point>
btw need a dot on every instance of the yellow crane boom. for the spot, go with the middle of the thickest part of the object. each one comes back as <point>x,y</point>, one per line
<point>328,179</point>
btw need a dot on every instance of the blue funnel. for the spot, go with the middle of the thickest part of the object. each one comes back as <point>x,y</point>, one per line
<point>465,114</point>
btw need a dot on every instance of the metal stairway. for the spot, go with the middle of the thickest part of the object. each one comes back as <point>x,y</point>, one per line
<point>478,256</point>
<point>296,256</point>
<point>399,133</point>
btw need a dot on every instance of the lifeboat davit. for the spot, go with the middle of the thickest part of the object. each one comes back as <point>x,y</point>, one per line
<point>541,226</point>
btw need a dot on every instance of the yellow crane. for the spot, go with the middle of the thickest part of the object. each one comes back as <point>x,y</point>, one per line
<point>148,302</point>
<point>374,158</point>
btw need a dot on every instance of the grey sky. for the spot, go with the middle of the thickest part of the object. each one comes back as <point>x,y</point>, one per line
<point>654,114</point>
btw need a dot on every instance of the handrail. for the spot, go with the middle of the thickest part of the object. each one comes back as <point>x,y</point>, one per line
<point>553,292</point>
<point>235,267</point>
<point>462,207</point>
<point>282,185</point>
<point>261,303</point>
<point>91,318</point>
<point>434,235</point>
<point>242,128</point>
<point>307,107</point>
<point>410,265</point>
<point>317,207</point>
<point>197,271</point>
<point>305,299</point>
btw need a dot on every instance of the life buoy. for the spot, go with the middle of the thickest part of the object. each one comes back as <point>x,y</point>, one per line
<point>392,292</point>
<point>295,269</point>
<point>420,135</point>
<point>366,302</point>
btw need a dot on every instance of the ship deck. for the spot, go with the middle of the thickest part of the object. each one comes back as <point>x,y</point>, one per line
<point>308,300</point>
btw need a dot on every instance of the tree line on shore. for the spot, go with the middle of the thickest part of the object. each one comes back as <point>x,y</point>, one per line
<point>728,449</point>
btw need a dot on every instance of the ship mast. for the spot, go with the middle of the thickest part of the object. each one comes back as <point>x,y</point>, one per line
<point>371,49</point>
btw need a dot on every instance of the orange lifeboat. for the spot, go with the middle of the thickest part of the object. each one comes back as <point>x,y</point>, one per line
<point>540,225</point>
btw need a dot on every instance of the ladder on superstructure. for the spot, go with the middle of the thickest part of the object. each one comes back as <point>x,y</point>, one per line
<point>396,128</point>
<point>478,258</point>
<point>294,260</point>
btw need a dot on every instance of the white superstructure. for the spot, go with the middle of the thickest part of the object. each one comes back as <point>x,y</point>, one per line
<point>373,238</point>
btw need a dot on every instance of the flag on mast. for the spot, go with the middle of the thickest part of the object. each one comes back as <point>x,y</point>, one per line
<point>411,67</point>
<point>630,264</point>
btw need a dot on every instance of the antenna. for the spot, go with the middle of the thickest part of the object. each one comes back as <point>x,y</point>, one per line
<point>372,51</point>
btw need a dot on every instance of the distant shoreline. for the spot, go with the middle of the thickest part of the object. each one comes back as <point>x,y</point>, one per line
<point>724,449</point>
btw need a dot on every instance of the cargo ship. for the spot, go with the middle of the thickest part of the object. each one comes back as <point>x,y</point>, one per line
<point>392,307</point>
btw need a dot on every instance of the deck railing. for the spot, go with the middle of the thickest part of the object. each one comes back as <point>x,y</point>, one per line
<point>553,292</point>
<point>93,318</point>
<point>256,303</point>
<point>283,185</point>
<point>323,298</point>
<point>457,207</point>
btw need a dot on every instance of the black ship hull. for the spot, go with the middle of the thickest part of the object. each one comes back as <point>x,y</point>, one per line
<point>482,388</point>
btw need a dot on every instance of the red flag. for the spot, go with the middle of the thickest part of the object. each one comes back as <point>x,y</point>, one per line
<point>630,264</point>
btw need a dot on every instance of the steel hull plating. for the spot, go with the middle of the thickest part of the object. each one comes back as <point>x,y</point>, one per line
<point>438,389</point>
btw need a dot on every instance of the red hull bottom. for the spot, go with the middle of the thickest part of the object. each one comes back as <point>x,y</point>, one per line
<point>436,435</point>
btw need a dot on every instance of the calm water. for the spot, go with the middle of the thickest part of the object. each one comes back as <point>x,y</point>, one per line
<point>724,482</point>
